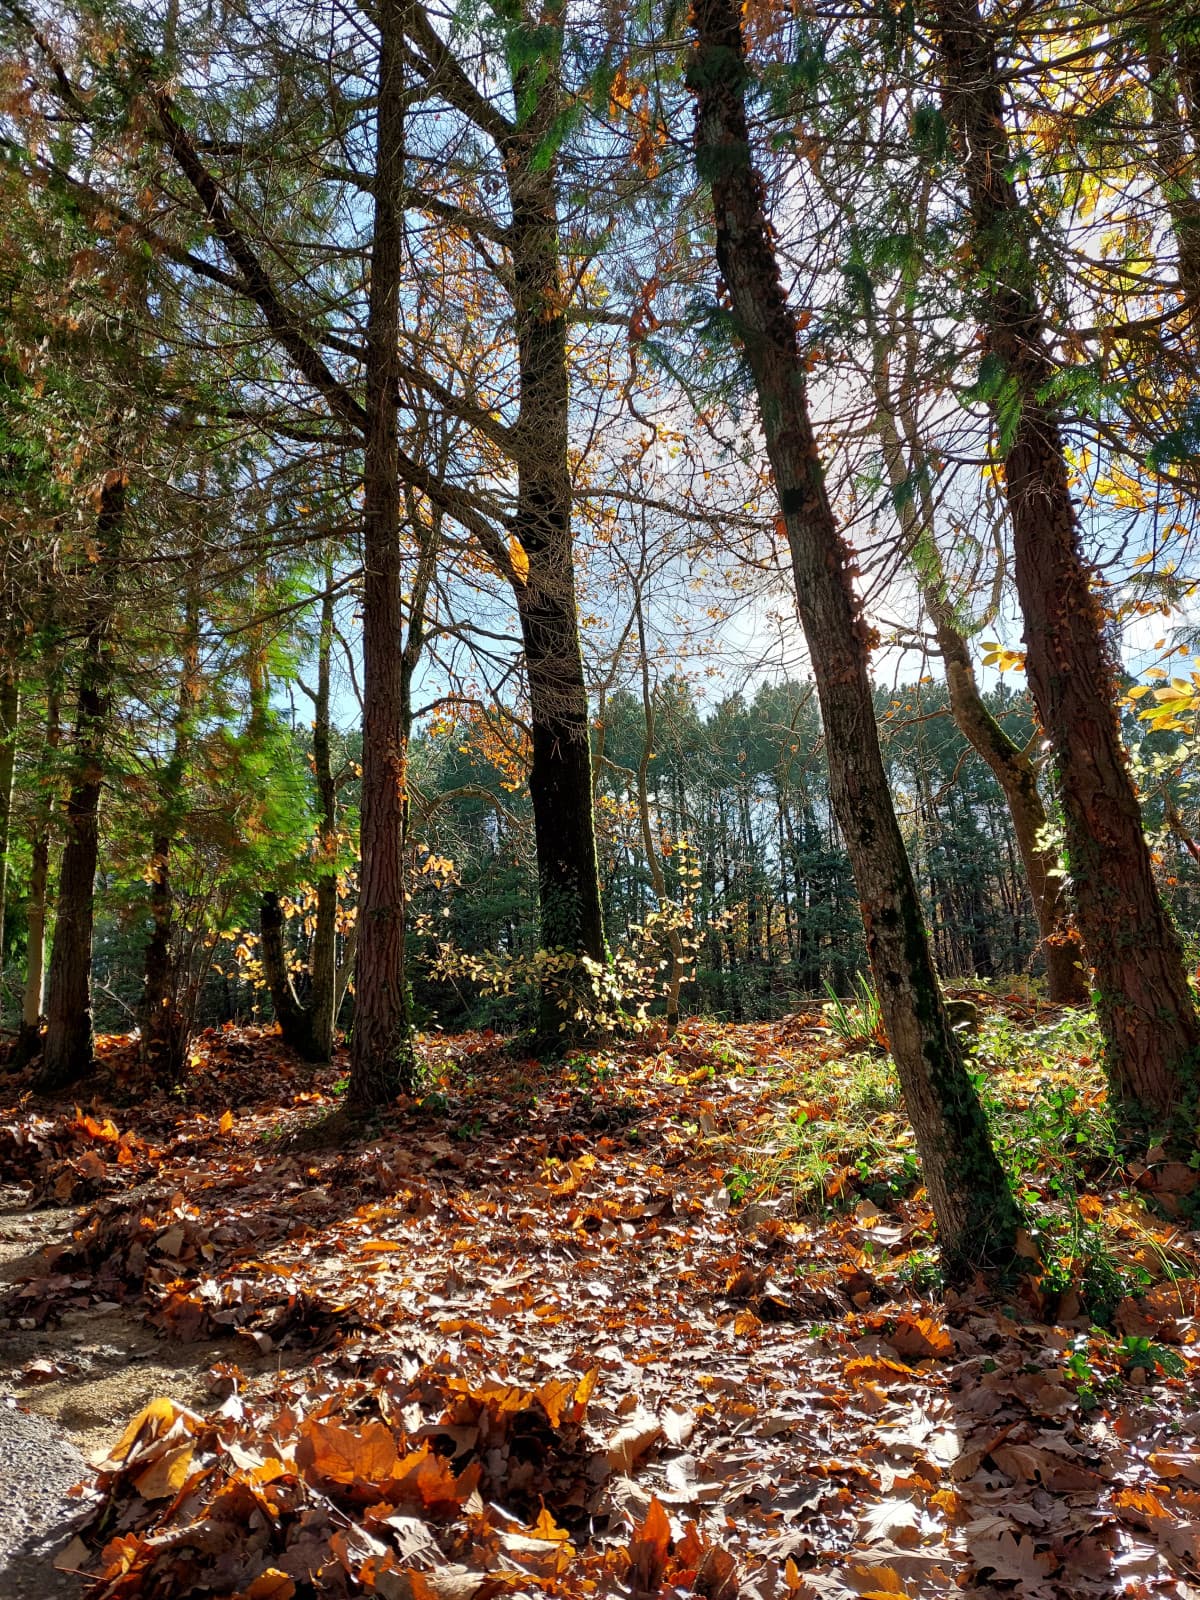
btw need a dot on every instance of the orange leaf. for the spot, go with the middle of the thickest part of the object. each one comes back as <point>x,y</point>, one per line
<point>226,1126</point>
<point>152,1421</point>
<point>921,1338</point>
<point>167,1475</point>
<point>546,1528</point>
<point>583,1389</point>
<point>347,1455</point>
<point>865,1369</point>
<point>649,1547</point>
<point>553,1396</point>
<point>878,1583</point>
<point>270,1585</point>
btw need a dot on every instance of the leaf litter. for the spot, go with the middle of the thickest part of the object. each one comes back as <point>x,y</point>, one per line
<point>541,1333</point>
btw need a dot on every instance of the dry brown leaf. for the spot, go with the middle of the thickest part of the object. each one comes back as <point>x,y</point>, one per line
<point>1010,1558</point>
<point>920,1338</point>
<point>632,1440</point>
<point>346,1455</point>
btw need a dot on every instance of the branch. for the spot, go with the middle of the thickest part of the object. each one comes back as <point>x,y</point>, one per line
<point>257,283</point>
<point>442,71</point>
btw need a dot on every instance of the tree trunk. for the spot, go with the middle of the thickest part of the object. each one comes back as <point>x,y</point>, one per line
<point>29,1038</point>
<point>381,1055</point>
<point>68,1048</point>
<point>560,777</point>
<point>323,961</point>
<point>1065,978</point>
<point>165,1019</point>
<point>1177,164</point>
<point>10,712</point>
<point>294,1018</point>
<point>1144,1004</point>
<point>975,1213</point>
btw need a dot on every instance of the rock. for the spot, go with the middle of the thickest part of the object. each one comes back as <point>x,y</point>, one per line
<point>36,1518</point>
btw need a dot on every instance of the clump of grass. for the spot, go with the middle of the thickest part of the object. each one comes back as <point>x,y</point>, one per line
<point>858,1022</point>
<point>846,1140</point>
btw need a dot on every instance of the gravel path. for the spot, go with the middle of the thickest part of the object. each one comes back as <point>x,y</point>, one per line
<point>38,1464</point>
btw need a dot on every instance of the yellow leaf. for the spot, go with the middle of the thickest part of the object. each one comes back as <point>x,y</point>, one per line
<point>520,561</point>
<point>154,1419</point>
<point>226,1122</point>
<point>167,1475</point>
<point>546,1528</point>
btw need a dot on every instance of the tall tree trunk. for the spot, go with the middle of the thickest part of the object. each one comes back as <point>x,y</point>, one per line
<point>1010,765</point>
<point>1145,1007</point>
<point>560,778</point>
<point>165,1019</point>
<point>323,961</point>
<point>68,1048</point>
<point>10,713</point>
<point>29,1038</point>
<point>381,1055</point>
<point>1178,171</point>
<point>976,1216</point>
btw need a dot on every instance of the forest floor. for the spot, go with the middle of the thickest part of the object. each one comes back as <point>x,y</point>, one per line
<point>658,1320</point>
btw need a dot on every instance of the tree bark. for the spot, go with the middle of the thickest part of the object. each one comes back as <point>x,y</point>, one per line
<point>10,712</point>
<point>381,1055</point>
<point>165,1017</point>
<point>560,777</point>
<point>295,1019</point>
<point>323,959</point>
<point>29,1038</point>
<point>1144,1004</point>
<point>1177,164</point>
<point>975,1213</point>
<point>69,1046</point>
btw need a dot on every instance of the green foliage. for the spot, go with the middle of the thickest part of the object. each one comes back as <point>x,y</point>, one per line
<point>858,1025</point>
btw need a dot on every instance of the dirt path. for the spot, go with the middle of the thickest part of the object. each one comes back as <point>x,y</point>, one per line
<point>66,1393</point>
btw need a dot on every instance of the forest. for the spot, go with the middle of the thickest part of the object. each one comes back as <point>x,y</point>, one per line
<point>599,703</point>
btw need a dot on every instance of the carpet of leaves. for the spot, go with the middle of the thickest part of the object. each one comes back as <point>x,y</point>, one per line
<point>531,1339</point>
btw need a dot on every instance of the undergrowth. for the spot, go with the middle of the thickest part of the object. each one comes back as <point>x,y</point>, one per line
<point>842,1139</point>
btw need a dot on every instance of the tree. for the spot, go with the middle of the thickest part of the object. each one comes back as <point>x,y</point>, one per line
<point>68,1045</point>
<point>1146,1009</point>
<point>909,476</point>
<point>975,1212</point>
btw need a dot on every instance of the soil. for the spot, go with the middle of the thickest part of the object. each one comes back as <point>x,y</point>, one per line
<point>66,1394</point>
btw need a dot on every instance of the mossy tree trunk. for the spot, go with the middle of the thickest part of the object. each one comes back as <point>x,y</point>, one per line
<point>976,1216</point>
